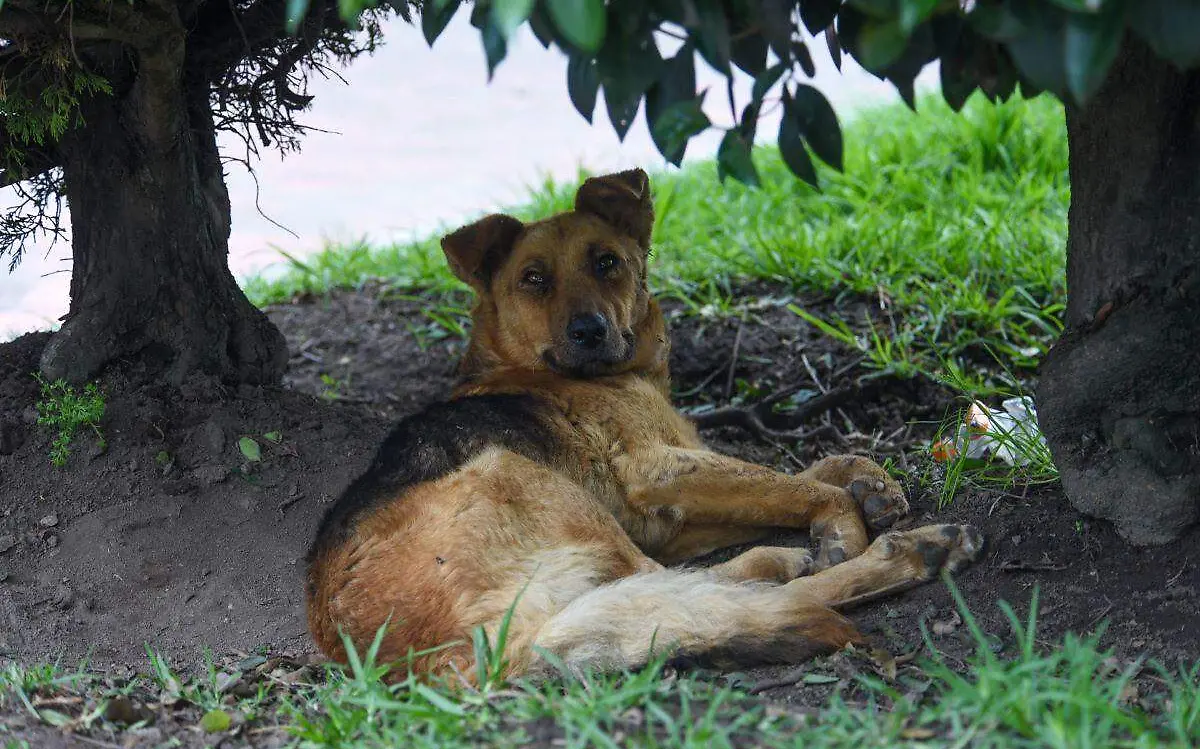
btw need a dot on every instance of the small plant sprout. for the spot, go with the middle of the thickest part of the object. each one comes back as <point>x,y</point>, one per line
<point>65,411</point>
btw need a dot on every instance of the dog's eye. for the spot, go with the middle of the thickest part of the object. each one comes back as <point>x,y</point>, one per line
<point>607,262</point>
<point>534,278</point>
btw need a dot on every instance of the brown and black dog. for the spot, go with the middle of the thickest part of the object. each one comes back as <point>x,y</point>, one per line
<point>560,477</point>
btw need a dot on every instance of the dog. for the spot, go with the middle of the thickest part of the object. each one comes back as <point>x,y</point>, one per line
<point>554,492</point>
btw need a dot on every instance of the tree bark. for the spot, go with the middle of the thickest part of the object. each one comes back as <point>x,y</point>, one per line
<point>1119,397</point>
<point>150,220</point>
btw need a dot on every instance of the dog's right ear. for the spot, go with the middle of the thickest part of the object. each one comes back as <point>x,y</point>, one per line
<point>475,251</point>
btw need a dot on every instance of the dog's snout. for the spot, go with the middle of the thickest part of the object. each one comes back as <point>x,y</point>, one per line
<point>587,330</point>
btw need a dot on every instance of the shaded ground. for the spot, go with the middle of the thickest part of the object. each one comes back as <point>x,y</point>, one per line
<point>171,537</point>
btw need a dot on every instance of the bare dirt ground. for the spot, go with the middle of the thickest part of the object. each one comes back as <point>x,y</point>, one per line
<point>170,537</point>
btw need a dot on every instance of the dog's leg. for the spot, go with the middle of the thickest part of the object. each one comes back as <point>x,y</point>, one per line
<point>776,564</point>
<point>693,616</point>
<point>712,489</point>
<point>893,562</point>
<point>699,618</point>
<point>696,540</point>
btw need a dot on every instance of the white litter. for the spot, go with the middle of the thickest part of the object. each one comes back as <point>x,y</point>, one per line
<point>1010,434</point>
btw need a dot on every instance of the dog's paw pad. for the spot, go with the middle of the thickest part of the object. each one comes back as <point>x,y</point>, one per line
<point>882,502</point>
<point>934,548</point>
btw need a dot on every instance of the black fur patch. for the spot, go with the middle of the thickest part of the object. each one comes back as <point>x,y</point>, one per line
<point>431,444</point>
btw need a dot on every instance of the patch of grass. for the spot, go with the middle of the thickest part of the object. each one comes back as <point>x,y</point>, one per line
<point>954,224</point>
<point>1071,695</point>
<point>66,411</point>
<point>1013,691</point>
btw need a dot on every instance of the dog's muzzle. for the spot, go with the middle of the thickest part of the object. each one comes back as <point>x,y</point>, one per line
<point>592,347</point>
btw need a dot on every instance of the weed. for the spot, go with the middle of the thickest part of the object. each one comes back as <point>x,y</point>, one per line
<point>66,411</point>
<point>331,388</point>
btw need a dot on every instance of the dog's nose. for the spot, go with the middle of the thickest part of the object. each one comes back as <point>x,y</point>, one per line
<point>587,331</point>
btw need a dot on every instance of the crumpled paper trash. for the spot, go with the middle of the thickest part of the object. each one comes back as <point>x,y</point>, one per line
<point>985,433</point>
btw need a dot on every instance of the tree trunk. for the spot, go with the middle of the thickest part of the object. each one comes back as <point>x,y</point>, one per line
<point>150,227</point>
<point>1119,398</point>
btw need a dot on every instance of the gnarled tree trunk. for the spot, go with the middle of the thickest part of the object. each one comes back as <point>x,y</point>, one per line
<point>150,223</point>
<point>1119,399</point>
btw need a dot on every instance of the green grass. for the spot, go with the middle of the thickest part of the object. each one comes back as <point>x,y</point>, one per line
<point>956,223</point>
<point>66,411</point>
<point>1012,692</point>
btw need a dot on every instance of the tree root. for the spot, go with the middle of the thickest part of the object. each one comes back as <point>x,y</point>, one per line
<point>755,419</point>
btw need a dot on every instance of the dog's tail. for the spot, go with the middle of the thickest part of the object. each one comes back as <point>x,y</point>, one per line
<point>694,618</point>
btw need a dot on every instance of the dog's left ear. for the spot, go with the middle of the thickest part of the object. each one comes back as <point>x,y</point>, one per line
<point>476,251</point>
<point>622,200</point>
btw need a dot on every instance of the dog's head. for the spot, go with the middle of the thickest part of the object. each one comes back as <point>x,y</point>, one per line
<point>567,294</point>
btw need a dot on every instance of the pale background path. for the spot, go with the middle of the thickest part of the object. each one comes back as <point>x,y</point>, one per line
<point>417,141</point>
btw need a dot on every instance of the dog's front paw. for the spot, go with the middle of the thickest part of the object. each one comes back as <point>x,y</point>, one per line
<point>879,497</point>
<point>881,500</point>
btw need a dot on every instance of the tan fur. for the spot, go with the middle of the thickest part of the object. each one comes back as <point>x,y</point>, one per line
<point>580,544</point>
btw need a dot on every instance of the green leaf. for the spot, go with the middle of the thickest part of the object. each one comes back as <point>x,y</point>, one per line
<point>880,43</point>
<point>776,18</point>
<point>54,718</point>
<point>495,48</point>
<point>275,437</point>
<point>1039,51</point>
<point>435,16</point>
<point>713,39</point>
<point>216,721</point>
<point>1170,28</point>
<point>734,159</point>
<point>676,125</point>
<point>296,10</point>
<point>582,22</point>
<point>542,28</point>
<point>508,15</point>
<point>804,57</point>
<point>629,65</point>
<point>583,82</point>
<point>817,123</point>
<point>749,52</point>
<point>250,449</point>
<point>676,85</point>
<point>440,701</point>
<point>915,12</point>
<point>1092,43</point>
<point>818,15</point>
<point>791,149</point>
<point>767,79</point>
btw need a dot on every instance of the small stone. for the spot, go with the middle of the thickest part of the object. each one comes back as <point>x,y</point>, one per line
<point>7,541</point>
<point>50,540</point>
<point>3,574</point>
<point>49,521</point>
